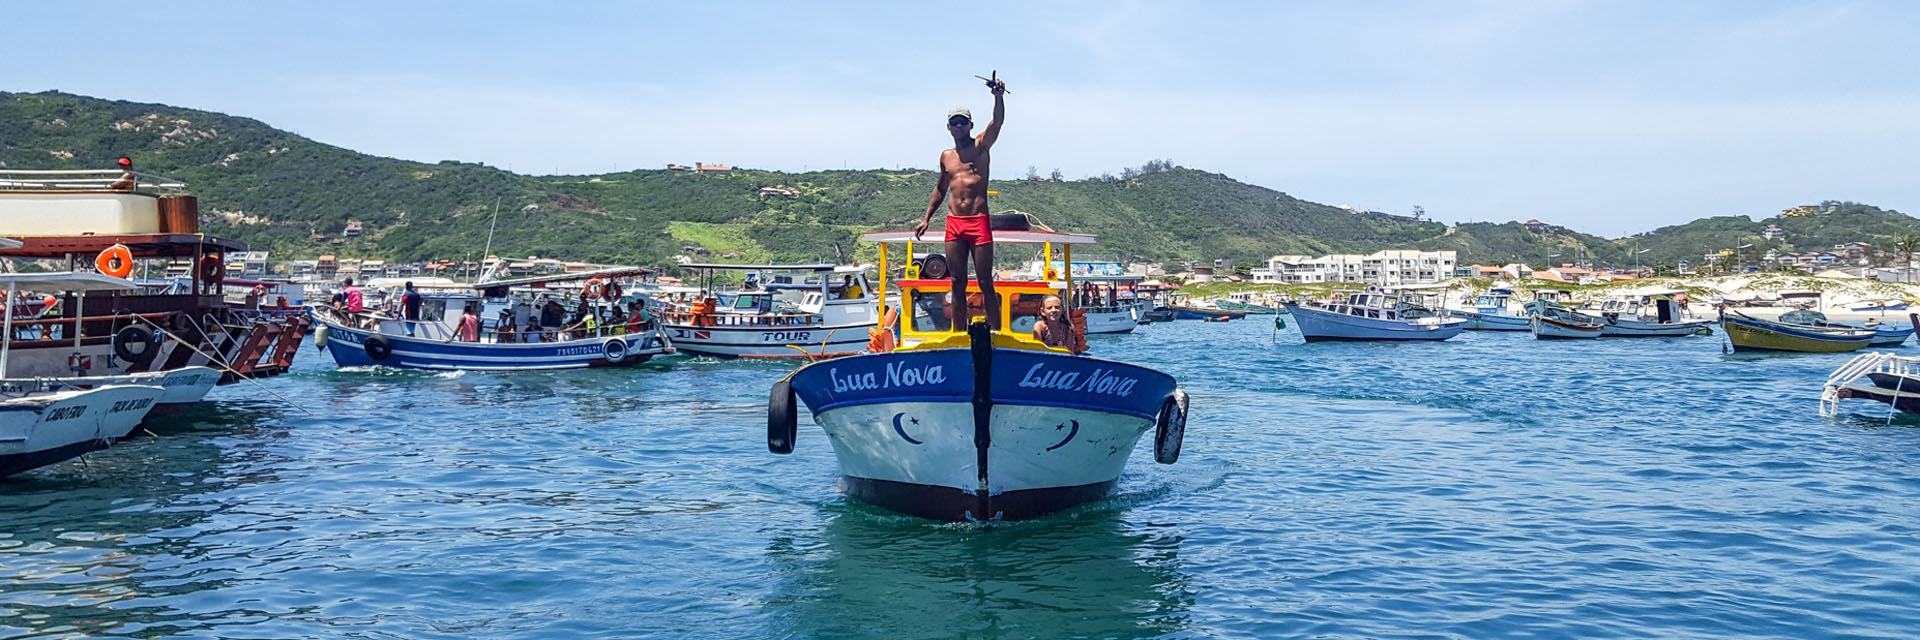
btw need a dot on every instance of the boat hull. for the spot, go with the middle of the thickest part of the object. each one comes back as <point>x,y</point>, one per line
<point>1636,329</point>
<point>181,387</point>
<point>43,429</point>
<point>770,342</point>
<point>1749,334</point>
<point>1477,321</point>
<point>1111,321</point>
<point>1545,328</point>
<point>348,346</point>
<point>1196,313</point>
<point>1317,325</point>
<point>926,433</point>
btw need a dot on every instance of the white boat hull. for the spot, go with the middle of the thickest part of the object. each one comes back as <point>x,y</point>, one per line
<point>1317,325</point>
<point>770,342</point>
<point>1112,321</point>
<point>1624,328</point>
<point>181,387</point>
<point>1478,321</point>
<point>1545,329</point>
<point>43,429</point>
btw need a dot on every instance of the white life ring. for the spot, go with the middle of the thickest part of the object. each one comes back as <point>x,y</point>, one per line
<point>615,349</point>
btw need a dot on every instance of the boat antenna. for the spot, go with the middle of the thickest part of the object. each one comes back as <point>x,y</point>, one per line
<point>496,220</point>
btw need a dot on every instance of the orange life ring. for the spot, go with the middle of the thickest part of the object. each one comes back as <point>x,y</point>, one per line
<point>612,292</point>
<point>212,269</point>
<point>116,261</point>
<point>259,290</point>
<point>592,290</point>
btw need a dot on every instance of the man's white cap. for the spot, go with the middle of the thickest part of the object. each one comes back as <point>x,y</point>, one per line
<point>960,111</point>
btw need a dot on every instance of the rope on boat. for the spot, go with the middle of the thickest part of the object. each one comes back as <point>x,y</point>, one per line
<point>216,362</point>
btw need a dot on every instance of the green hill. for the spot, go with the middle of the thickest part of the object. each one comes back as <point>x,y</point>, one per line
<point>285,193</point>
<point>278,190</point>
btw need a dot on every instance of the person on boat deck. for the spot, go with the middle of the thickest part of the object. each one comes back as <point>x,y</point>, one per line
<point>963,171</point>
<point>637,316</point>
<point>410,307</point>
<point>552,315</point>
<point>503,330</point>
<point>469,328</point>
<point>1053,329</point>
<point>849,290</point>
<point>532,333</point>
<point>356,302</point>
<point>127,180</point>
<point>616,320</point>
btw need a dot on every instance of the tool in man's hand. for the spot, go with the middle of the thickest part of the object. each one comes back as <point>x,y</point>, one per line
<point>991,81</point>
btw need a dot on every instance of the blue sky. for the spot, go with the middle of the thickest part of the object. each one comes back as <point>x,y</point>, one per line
<point>1611,117</point>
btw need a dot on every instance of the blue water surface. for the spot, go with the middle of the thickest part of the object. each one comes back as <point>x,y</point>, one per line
<point>1490,486</point>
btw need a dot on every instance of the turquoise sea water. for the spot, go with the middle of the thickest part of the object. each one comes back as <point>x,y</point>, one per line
<point>1489,486</point>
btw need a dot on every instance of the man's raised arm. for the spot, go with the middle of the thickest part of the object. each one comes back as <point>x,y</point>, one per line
<point>999,115</point>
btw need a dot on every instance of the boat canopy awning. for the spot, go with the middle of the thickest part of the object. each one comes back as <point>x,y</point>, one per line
<point>816,268</point>
<point>65,281</point>
<point>541,281</point>
<point>144,245</point>
<point>999,237</point>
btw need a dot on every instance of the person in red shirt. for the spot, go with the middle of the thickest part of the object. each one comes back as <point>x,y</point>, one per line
<point>469,327</point>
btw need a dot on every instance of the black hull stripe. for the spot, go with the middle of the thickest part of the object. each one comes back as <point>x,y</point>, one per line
<point>955,505</point>
<point>16,463</point>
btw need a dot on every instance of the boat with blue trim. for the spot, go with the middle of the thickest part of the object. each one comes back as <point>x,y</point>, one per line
<point>1376,313</point>
<point>1490,313</point>
<point>972,424</point>
<point>517,340</point>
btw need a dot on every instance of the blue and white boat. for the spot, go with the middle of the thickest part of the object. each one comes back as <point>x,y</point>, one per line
<point>1884,335</point>
<point>1490,313</point>
<point>376,339</point>
<point>977,424</point>
<point>1374,314</point>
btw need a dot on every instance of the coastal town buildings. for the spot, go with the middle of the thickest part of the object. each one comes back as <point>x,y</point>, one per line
<point>1390,267</point>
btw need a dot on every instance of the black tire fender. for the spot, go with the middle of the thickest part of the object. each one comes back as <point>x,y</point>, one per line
<point>783,425</point>
<point>614,349</point>
<point>134,344</point>
<point>1171,430</point>
<point>379,348</point>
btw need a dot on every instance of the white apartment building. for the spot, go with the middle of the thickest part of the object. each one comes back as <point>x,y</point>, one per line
<point>1391,267</point>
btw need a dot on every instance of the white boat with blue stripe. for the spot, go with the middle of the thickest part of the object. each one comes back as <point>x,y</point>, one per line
<point>435,340</point>
<point>1393,313</point>
<point>1490,313</point>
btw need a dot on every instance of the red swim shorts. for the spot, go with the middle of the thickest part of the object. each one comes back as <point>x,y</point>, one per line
<point>974,230</point>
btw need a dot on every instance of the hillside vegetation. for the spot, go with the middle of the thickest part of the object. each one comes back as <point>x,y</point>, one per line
<point>291,195</point>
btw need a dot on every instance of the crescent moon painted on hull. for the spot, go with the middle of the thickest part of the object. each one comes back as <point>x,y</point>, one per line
<point>901,430</point>
<point>1070,434</point>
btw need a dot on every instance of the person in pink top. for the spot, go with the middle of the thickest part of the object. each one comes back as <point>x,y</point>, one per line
<point>355,302</point>
<point>469,329</point>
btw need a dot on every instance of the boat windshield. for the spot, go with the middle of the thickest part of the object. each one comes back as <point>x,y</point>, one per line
<point>1804,316</point>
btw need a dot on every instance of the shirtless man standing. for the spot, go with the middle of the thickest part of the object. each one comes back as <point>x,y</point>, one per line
<point>963,170</point>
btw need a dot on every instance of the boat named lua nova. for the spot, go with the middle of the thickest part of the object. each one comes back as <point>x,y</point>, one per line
<point>784,311</point>
<point>978,424</point>
<point>1392,313</point>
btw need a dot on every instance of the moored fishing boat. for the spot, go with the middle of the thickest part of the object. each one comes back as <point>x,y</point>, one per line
<point>1747,333</point>
<point>1373,314</point>
<point>1548,319</point>
<point>1490,313</point>
<point>977,424</point>
<point>1884,335</point>
<point>1647,314</point>
<point>784,311</point>
<point>437,341</point>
